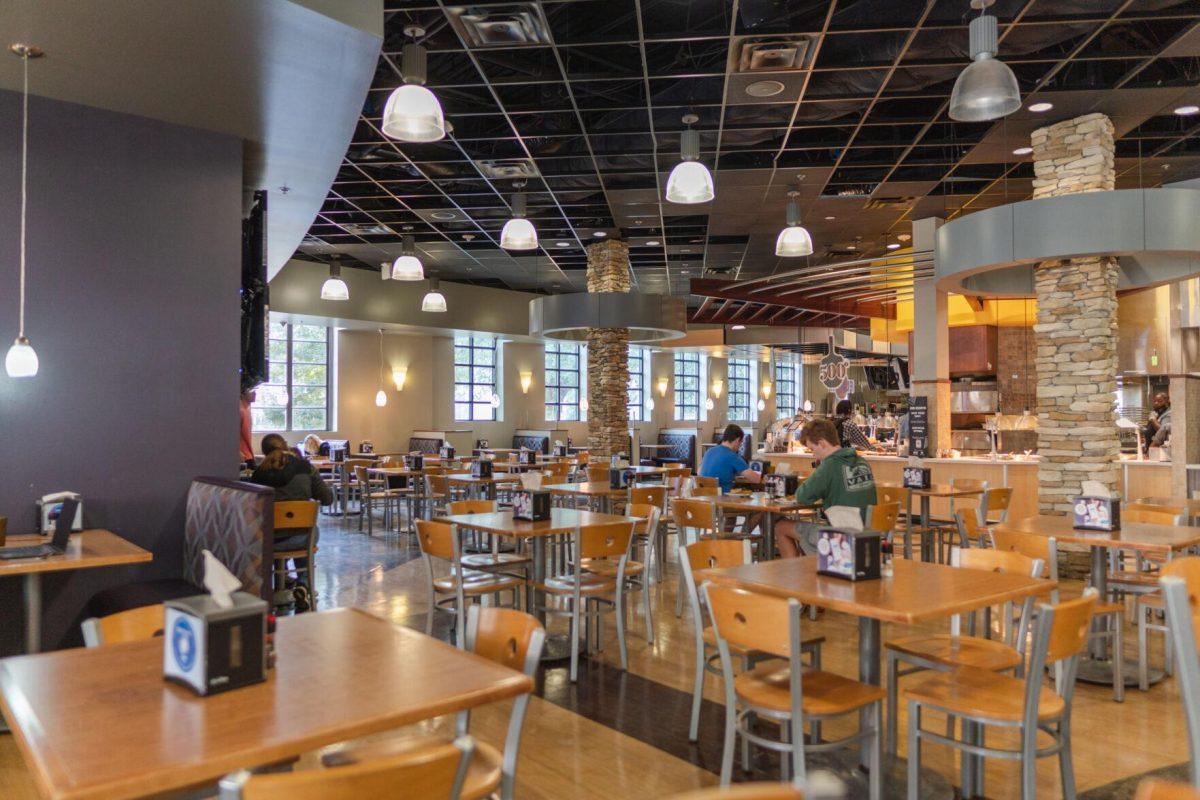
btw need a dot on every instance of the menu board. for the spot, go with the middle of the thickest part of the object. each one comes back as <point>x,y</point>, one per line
<point>918,427</point>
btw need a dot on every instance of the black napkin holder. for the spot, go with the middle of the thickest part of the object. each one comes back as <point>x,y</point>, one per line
<point>1096,513</point>
<point>481,468</point>
<point>619,477</point>
<point>414,462</point>
<point>849,555</point>
<point>446,451</point>
<point>210,649</point>
<point>531,504</point>
<point>917,477</point>
<point>527,457</point>
<point>777,485</point>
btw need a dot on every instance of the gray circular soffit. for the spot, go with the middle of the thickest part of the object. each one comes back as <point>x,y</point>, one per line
<point>647,317</point>
<point>1154,233</point>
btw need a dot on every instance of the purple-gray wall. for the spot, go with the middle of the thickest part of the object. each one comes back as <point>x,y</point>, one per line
<point>134,267</point>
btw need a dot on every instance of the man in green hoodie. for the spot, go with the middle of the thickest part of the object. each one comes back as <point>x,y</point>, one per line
<point>842,478</point>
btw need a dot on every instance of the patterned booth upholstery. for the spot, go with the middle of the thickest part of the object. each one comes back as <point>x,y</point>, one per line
<point>539,444</point>
<point>232,520</point>
<point>681,449</point>
<point>747,449</point>
<point>424,444</point>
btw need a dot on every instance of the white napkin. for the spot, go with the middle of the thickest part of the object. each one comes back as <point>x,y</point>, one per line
<point>1095,489</point>
<point>845,517</point>
<point>531,480</point>
<point>558,442</point>
<point>220,582</point>
<point>1122,422</point>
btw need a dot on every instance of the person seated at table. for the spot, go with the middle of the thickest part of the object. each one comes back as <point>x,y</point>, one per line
<point>292,478</point>
<point>842,478</point>
<point>725,463</point>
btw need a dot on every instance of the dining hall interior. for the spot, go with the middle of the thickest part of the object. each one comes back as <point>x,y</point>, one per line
<point>701,399</point>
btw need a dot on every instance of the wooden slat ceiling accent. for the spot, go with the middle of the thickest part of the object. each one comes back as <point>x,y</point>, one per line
<point>724,304</point>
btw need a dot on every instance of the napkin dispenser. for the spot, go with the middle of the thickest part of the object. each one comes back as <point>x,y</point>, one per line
<point>559,450</point>
<point>776,485</point>
<point>917,477</point>
<point>51,505</point>
<point>414,462</point>
<point>619,477</point>
<point>210,649</point>
<point>367,447</point>
<point>1097,513</point>
<point>531,504</point>
<point>446,451</point>
<point>850,555</point>
<point>527,457</point>
<point>481,468</point>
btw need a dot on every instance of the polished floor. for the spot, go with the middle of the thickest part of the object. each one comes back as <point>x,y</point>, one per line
<point>618,734</point>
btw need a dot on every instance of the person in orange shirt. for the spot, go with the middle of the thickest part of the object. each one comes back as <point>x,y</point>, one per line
<point>247,444</point>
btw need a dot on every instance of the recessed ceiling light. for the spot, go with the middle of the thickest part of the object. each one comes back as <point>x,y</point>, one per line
<point>1187,111</point>
<point>562,244</point>
<point>739,327</point>
<point>904,237</point>
<point>851,247</point>
<point>830,218</point>
<point>1038,108</point>
<point>766,88</point>
<point>653,243</point>
<point>893,246</point>
<point>599,234</point>
<point>1022,151</point>
<point>442,216</point>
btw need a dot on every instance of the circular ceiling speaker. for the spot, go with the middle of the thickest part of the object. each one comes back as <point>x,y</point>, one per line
<point>443,216</point>
<point>766,88</point>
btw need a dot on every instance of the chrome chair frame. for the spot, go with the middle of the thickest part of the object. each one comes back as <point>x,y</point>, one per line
<point>1183,634</point>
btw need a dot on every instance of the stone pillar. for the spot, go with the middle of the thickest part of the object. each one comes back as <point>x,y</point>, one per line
<point>608,356</point>
<point>1076,330</point>
<point>930,359</point>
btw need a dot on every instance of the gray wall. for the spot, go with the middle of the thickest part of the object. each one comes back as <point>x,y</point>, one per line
<point>134,268</point>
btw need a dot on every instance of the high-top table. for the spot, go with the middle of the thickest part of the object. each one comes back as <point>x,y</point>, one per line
<point>86,550</point>
<point>102,723</point>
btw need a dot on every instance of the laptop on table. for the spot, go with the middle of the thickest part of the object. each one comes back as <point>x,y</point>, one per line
<point>57,545</point>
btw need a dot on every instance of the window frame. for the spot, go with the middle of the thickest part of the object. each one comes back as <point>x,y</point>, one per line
<point>580,387</point>
<point>642,356</point>
<point>289,385</point>
<point>472,343</point>
<point>787,384</point>
<point>739,384</point>
<point>682,399</point>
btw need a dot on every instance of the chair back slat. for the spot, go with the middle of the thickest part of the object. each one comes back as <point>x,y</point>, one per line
<point>597,473</point>
<point>998,500</point>
<point>503,635</point>
<point>610,540</point>
<point>716,554</point>
<point>1181,589</point>
<point>750,620</point>
<point>654,495</point>
<point>471,507</point>
<point>1152,514</point>
<point>883,516</point>
<point>295,514</point>
<point>648,514</point>
<point>889,494</point>
<point>436,539</point>
<point>134,625</point>
<point>706,491</point>
<point>1007,561</point>
<point>438,484</point>
<point>701,480</point>
<point>694,514</point>
<point>1069,631</point>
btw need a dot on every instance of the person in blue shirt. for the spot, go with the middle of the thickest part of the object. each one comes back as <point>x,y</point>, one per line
<point>725,463</point>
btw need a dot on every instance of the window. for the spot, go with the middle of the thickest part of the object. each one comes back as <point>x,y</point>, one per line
<point>297,392</point>
<point>476,371</point>
<point>741,390</point>
<point>639,383</point>
<point>564,380</point>
<point>688,380</point>
<point>787,380</point>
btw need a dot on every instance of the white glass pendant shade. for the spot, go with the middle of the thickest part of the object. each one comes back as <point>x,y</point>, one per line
<point>690,182</point>
<point>21,361</point>
<point>793,241</point>
<point>518,234</point>
<point>381,398</point>
<point>413,114</point>
<point>709,404</point>
<point>435,301</point>
<point>335,289</point>
<point>495,401</point>
<point>762,404</point>
<point>649,403</point>
<point>408,268</point>
<point>987,88</point>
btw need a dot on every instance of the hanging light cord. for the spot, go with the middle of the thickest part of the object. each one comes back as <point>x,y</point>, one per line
<point>24,190</point>
<point>381,360</point>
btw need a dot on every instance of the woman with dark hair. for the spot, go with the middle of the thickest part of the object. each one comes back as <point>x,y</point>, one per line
<point>850,434</point>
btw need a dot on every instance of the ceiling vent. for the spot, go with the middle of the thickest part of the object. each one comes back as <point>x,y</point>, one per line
<point>371,229</point>
<point>877,203</point>
<point>773,54</point>
<point>507,168</point>
<point>837,252</point>
<point>864,190</point>
<point>500,26</point>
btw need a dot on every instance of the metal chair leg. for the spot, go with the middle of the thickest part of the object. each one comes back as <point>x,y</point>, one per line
<point>1118,659</point>
<point>1066,766</point>
<point>875,756</point>
<point>697,693</point>
<point>914,751</point>
<point>893,691</point>
<point>1143,666</point>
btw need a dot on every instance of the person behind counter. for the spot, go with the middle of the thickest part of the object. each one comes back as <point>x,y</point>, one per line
<point>849,432</point>
<point>1158,427</point>
<point>842,478</point>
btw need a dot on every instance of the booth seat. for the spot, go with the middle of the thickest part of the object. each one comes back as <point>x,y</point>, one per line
<point>681,448</point>
<point>746,451</point>
<point>424,444</point>
<point>540,444</point>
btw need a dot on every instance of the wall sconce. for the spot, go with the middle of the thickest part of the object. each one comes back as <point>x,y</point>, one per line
<point>526,382</point>
<point>766,390</point>
<point>662,387</point>
<point>718,386</point>
<point>399,376</point>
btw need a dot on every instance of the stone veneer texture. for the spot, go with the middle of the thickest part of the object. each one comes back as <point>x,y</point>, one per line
<point>1076,330</point>
<point>608,355</point>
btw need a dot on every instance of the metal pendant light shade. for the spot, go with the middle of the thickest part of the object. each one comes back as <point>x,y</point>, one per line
<point>987,88</point>
<point>413,113</point>
<point>690,181</point>
<point>435,301</point>
<point>334,287</point>
<point>794,240</point>
<point>408,267</point>
<point>518,233</point>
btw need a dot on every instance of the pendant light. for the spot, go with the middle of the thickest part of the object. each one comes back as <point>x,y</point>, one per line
<point>408,267</point>
<point>435,301</point>
<point>22,361</point>
<point>334,287</point>
<point>987,88</point>
<point>381,395</point>
<point>690,181</point>
<point>794,240</point>
<point>518,233</point>
<point>413,113</point>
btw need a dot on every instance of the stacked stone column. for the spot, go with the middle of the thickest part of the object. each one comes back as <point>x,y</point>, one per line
<point>608,355</point>
<point>1076,330</point>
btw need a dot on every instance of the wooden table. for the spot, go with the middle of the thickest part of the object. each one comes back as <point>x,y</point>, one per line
<point>562,521</point>
<point>86,550</point>
<point>758,503</point>
<point>102,722</point>
<point>481,487</point>
<point>589,489</point>
<point>1143,537</point>
<point>1191,508</point>
<point>944,490</point>
<point>915,592</point>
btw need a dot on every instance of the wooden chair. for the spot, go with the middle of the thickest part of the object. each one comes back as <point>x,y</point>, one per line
<point>788,695</point>
<point>1141,582</point>
<point>437,772</point>
<point>440,540</point>
<point>945,531</point>
<point>299,516</point>
<point>591,543</point>
<point>493,560</point>
<point>1181,598</point>
<point>511,638</point>
<point>1147,608</point>
<point>1046,549</point>
<point>949,651</point>
<point>1151,789</point>
<point>717,554</point>
<point>655,496</point>
<point>597,473</point>
<point>701,480</point>
<point>980,697</point>
<point>372,491</point>
<point>695,519</point>
<point>134,625</point>
<point>353,486</point>
<point>993,506</point>
<point>706,491</point>
<point>556,472</point>
<point>636,572</point>
<point>883,517</point>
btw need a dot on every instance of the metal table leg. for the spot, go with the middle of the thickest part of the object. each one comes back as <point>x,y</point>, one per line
<point>1098,667</point>
<point>33,612</point>
<point>869,667</point>
<point>768,536</point>
<point>558,646</point>
<point>908,528</point>
<point>926,539</point>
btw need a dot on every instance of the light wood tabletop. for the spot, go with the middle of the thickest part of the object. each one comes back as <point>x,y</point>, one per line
<point>102,722</point>
<point>944,490</point>
<point>466,477</point>
<point>585,488</point>
<point>562,520</point>
<point>85,550</point>
<point>740,501</point>
<point>1192,507</point>
<point>395,471</point>
<point>1142,536</point>
<point>916,591</point>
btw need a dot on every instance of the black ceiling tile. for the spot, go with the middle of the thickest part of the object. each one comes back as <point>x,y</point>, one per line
<point>876,48</point>
<point>610,94</point>
<point>832,111</point>
<point>913,109</point>
<point>793,159</point>
<point>1095,75</point>
<point>849,83</point>
<point>821,136</point>
<point>523,64</point>
<point>758,115</point>
<point>465,100</point>
<point>591,62</point>
<point>707,56</point>
<point>759,17</point>
<point>627,120</point>
<point>1139,38</point>
<point>534,97</point>
<point>482,126</point>
<point>449,69</point>
<point>923,80</point>
<point>687,91</point>
<point>596,21</point>
<point>1179,71</point>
